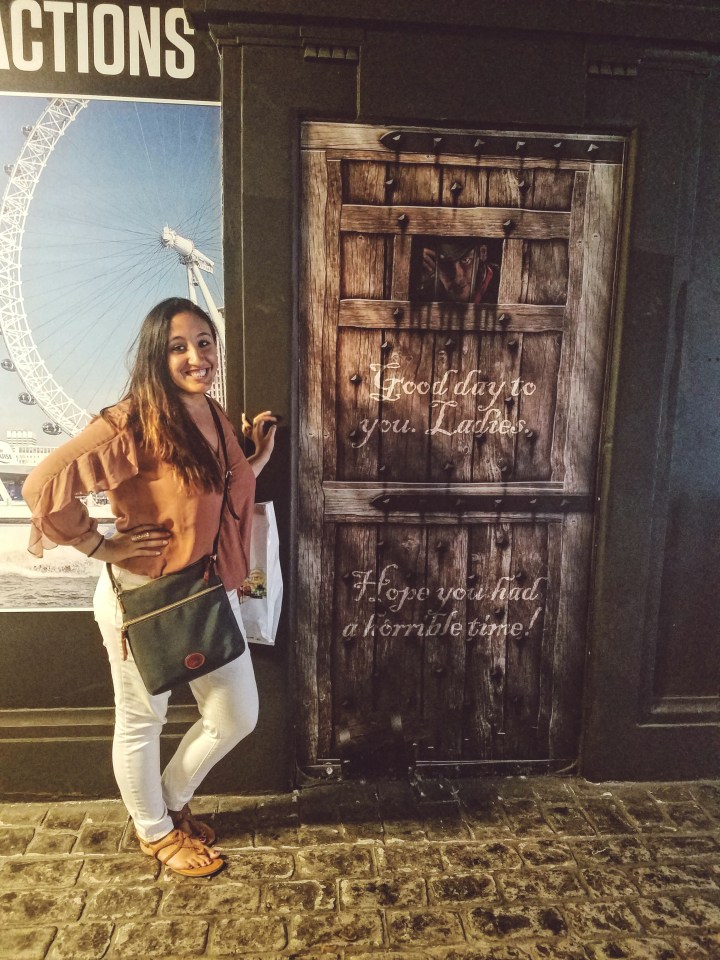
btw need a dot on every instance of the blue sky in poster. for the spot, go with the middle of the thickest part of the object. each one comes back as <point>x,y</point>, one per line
<point>92,262</point>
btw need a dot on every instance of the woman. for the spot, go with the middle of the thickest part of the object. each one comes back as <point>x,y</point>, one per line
<point>157,455</point>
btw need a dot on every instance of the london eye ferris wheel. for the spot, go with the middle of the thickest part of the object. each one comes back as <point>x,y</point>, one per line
<point>109,207</point>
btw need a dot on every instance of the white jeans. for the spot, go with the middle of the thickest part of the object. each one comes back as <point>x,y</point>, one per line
<point>228,702</point>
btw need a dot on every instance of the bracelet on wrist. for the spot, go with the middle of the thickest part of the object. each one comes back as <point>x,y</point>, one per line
<point>96,547</point>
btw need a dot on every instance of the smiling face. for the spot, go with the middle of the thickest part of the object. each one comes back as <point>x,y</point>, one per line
<point>192,356</point>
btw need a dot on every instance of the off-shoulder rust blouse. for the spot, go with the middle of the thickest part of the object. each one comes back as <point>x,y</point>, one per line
<point>142,490</point>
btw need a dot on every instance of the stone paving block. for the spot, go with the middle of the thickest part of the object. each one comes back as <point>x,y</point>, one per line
<point>387,955</point>
<point>526,818</point>
<point>121,870</point>
<point>231,938</point>
<point>85,941</point>
<point>416,858</point>
<point>631,949</point>
<point>65,816</point>
<point>514,951</point>
<point>663,878</point>
<point>516,921</point>
<point>207,899</point>
<point>644,810</point>
<point>22,814</point>
<point>40,873</point>
<point>320,833</point>
<point>270,834</point>
<point>708,796</point>
<point>559,950</point>
<point>552,789</point>
<point>334,861</point>
<point>465,857</point>
<point>30,906</point>
<point>615,851</point>
<point>683,848</point>
<point>115,903</point>
<point>253,865</point>
<point>568,820</point>
<point>93,839</point>
<point>540,885</point>
<point>26,943</point>
<point>688,816</point>
<point>14,840</point>
<point>462,888</point>
<point>701,911</point>
<point>101,812</point>
<point>444,821</point>
<point>660,915</point>
<point>697,948</point>
<point>591,919</point>
<point>372,894</point>
<point>160,938</point>
<point>671,792</point>
<point>606,816</point>
<point>546,853</point>
<point>293,895</point>
<point>606,882</point>
<point>50,843</point>
<point>346,928</point>
<point>403,829</point>
<point>234,830</point>
<point>428,927</point>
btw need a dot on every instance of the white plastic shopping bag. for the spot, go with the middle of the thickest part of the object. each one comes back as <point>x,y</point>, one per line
<point>263,589</point>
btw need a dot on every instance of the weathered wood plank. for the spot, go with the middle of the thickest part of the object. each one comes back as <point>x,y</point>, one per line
<point>325,591</point>
<point>547,271</point>
<point>525,595</point>
<point>401,261</point>
<point>551,189</point>
<point>568,654</point>
<point>568,357</point>
<point>451,452</point>
<point>471,182</point>
<point>451,316</point>
<point>415,183</point>
<point>504,187</point>
<point>333,209</point>
<point>496,410</point>
<point>313,268</point>
<point>363,182</point>
<point>489,565</point>
<point>547,700</point>
<point>357,137</point>
<point>592,314</point>
<point>405,446</point>
<point>353,653</point>
<point>539,363</point>
<point>511,274</point>
<point>357,436</point>
<point>402,554</point>
<point>455,222</point>
<point>444,669</point>
<point>512,163</point>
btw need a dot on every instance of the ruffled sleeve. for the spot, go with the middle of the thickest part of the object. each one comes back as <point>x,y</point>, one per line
<point>100,458</point>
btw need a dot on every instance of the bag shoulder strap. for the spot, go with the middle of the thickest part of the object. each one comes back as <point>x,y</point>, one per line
<point>227,472</point>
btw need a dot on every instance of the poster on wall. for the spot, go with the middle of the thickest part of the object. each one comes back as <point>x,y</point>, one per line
<point>110,157</point>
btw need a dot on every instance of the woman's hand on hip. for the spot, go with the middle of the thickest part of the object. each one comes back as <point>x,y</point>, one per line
<point>145,540</point>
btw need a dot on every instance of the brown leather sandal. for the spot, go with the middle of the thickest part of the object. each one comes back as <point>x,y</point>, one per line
<point>185,821</point>
<point>166,847</point>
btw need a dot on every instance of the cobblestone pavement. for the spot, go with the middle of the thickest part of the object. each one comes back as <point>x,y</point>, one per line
<point>504,869</point>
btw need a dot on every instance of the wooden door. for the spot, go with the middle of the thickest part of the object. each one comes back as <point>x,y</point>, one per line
<point>455,305</point>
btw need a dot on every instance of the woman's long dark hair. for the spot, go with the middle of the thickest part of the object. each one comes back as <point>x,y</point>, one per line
<point>159,418</point>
